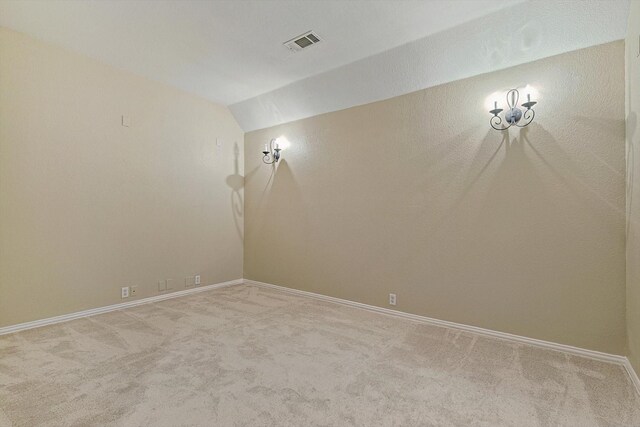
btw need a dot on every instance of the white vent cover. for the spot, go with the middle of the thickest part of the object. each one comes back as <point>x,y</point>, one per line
<point>303,41</point>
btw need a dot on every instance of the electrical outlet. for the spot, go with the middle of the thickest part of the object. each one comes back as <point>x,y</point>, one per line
<point>124,292</point>
<point>134,291</point>
<point>168,284</point>
<point>197,280</point>
<point>162,286</point>
<point>392,299</point>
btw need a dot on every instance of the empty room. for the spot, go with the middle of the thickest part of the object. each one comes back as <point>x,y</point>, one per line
<point>319,213</point>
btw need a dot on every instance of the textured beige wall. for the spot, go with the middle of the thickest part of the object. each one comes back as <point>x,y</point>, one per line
<point>633,184</point>
<point>88,206</point>
<point>417,195</point>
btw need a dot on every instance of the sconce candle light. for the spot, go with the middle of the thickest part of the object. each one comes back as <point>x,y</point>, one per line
<point>514,114</point>
<point>271,152</point>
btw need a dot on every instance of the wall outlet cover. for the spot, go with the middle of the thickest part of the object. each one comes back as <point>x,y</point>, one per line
<point>197,280</point>
<point>188,282</point>
<point>392,299</point>
<point>124,292</point>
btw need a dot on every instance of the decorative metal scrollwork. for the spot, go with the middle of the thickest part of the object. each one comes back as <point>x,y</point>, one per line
<point>271,152</point>
<point>514,116</point>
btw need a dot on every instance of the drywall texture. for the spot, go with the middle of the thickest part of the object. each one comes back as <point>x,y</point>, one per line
<point>633,183</point>
<point>87,205</point>
<point>521,231</point>
<point>516,35</point>
<point>205,47</point>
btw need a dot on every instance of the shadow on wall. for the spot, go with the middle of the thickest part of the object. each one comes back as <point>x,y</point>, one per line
<point>236,183</point>
<point>519,187</point>
<point>445,160</point>
<point>603,127</point>
<point>273,167</point>
<point>281,217</point>
<point>479,166</point>
<point>514,183</point>
<point>578,179</point>
<point>507,184</point>
<point>282,189</point>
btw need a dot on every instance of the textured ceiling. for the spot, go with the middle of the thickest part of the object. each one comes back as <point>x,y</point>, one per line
<point>231,51</point>
<point>228,51</point>
<point>520,34</point>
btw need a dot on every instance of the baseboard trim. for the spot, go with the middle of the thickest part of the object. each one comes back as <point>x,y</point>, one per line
<point>632,374</point>
<point>592,354</point>
<point>99,310</point>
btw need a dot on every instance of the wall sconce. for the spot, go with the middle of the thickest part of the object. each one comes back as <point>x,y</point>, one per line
<point>514,114</point>
<point>271,152</point>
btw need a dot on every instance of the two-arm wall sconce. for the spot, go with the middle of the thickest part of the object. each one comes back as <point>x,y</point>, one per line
<point>514,114</point>
<point>271,152</point>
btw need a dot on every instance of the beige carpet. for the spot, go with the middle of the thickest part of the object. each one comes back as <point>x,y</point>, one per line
<point>248,356</point>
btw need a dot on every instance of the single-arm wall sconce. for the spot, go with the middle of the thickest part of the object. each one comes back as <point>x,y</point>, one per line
<point>271,152</point>
<point>514,114</point>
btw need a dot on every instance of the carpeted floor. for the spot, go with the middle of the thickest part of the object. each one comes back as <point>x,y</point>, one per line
<point>251,356</point>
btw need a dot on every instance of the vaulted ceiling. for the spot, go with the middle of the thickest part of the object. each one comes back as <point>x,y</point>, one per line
<point>231,52</point>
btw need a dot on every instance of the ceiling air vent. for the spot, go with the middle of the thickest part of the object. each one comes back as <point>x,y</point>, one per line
<point>302,42</point>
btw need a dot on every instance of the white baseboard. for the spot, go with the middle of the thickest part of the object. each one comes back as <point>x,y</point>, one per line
<point>592,354</point>
<point>632,374</point>
<point>108,308</point>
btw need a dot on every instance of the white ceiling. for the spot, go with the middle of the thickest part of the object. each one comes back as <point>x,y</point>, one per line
<point>512,36</point>
<point>228,51</point>
<point>231,51</point>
